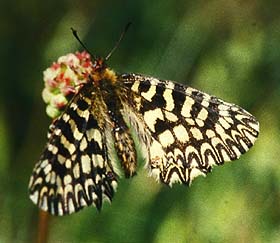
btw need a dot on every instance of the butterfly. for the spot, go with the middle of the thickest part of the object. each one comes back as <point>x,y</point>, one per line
<point>182,133</point>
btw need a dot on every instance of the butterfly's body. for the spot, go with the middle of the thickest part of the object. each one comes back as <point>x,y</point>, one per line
<point>182,132</point>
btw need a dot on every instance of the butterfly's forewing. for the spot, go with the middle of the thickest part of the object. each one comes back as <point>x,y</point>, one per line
<point>75,168</point>
<point>185,131</point>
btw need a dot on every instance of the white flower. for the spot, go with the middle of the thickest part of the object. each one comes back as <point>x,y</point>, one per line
<point>70,59</point>
<point>63,79</point>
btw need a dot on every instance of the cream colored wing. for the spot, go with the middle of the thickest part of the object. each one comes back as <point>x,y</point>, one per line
<point>185,132</point>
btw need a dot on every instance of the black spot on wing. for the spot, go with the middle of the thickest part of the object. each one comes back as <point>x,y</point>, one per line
<point>144,86</point>
<point>93,148</point>
<point>158,99</point>
<point>92,123</point>
<point>82,104</point>
<point>179,99</point>
<point>161,126</point>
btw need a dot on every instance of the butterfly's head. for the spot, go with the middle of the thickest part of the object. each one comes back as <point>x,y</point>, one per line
<point>100,71</point>
<point>98,65</point>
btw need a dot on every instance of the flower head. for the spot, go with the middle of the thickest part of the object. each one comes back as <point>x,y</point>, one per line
<point>63,79</point>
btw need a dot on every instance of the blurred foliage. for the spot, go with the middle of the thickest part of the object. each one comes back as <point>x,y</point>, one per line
<point>230,49</point>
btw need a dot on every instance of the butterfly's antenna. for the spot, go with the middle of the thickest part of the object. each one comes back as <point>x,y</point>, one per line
<point>119,41</point>
<point>74,32</point>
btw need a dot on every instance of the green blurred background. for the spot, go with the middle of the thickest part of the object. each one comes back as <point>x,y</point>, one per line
<point>230,49</point>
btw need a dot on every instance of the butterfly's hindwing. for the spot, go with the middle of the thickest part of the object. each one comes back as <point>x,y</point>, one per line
<point>189,131</point>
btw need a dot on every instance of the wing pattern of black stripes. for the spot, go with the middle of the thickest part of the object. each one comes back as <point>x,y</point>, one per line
<point>74,170</point>
<point>187,131</point>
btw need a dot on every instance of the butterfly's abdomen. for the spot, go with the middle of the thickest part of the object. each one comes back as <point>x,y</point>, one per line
<point>125,148</point>
<point>123,142</point>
